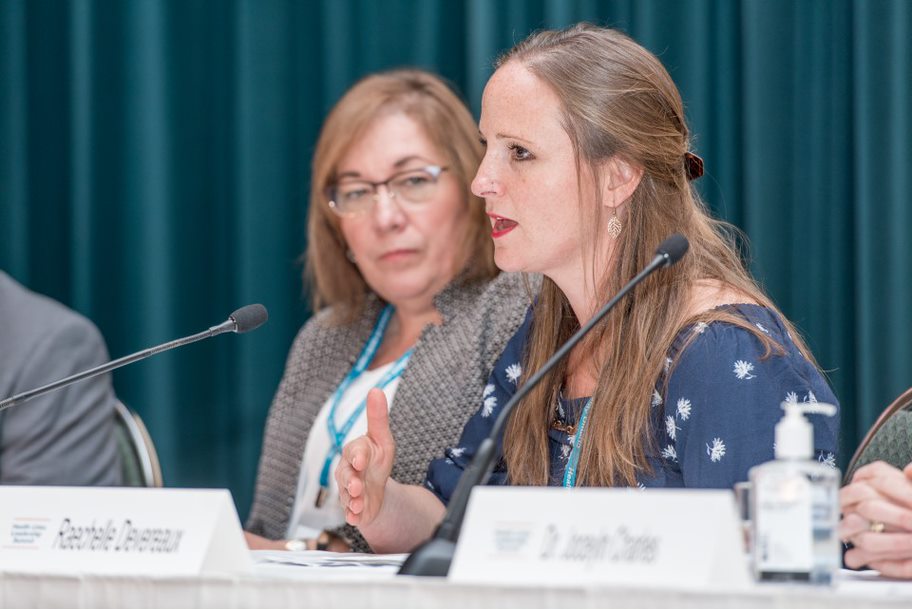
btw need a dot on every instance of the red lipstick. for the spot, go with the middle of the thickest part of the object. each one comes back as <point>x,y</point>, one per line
<point>501,226</point>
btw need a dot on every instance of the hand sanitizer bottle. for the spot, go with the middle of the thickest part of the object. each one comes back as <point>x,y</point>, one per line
<point>795,505</point>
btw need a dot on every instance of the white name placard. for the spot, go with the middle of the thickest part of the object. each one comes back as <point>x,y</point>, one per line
<point>120,531</point>
<point>559,537</point>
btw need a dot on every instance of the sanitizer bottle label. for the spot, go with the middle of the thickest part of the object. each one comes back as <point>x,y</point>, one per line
<point>784,524</point>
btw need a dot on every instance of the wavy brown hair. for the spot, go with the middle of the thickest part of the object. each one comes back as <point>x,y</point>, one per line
<point>618,100</point>
<point>425,98</point>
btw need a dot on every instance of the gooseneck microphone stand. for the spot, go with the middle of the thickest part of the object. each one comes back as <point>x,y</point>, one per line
<point>243,320</point>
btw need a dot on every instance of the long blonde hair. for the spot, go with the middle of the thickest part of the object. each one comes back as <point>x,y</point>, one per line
<point>334,279</point>
<point>618,100</point>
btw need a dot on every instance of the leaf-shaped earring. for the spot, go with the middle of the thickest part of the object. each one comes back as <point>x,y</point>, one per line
<point>614,226</point>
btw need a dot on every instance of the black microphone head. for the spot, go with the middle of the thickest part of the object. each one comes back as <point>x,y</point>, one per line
<point>249,318</point>
<point>673,248</point>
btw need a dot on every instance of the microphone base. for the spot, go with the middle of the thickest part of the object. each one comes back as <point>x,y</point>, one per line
<point>430,559</point>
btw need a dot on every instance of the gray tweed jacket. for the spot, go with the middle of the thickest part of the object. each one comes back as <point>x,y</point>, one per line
<point>439,390</point>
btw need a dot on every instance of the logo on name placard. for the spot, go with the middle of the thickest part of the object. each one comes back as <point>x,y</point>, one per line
<point>26,532</point>
<point>512,537</point>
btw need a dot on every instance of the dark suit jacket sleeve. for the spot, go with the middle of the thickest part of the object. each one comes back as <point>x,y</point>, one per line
<point>65,437</point>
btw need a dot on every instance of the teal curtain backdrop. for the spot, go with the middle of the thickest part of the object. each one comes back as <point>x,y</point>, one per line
<point>154,168</point>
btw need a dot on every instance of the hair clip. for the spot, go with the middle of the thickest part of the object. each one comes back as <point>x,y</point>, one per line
<point>693,166</point>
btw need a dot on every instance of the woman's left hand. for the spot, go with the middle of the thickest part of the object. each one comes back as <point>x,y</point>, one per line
<point>877,519</point>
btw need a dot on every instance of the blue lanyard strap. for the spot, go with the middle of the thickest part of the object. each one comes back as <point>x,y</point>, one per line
<point>573,460</point>
<point>337,435</point>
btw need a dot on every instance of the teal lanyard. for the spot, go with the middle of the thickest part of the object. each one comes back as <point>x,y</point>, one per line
<point>337,435</point>
<point>573,460</point>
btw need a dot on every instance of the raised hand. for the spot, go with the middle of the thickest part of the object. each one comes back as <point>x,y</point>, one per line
<point>366,463</point>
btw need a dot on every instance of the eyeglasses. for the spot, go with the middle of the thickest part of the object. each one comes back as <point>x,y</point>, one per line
<point>353,197</point>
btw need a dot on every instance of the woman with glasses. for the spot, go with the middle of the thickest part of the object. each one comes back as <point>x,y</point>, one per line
<point>587,170</point>
<point>407,299</point>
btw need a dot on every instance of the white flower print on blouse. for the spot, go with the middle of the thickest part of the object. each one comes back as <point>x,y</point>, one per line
<point>667,364</point>
<point>513,372</point>
<point>791,397</point>
<point>670,453</point>
<point>457,452</point>
<point>810,398</point>
<point>716,451</point>
<point>761,328</point>
<point>565,451</point>
<point>656,397</point>
<point>683,411</point>
<point>490,401</point>
<point>670,428</point>
<point>828,459</point>
<point>700,327</point>
<point>743,370</point>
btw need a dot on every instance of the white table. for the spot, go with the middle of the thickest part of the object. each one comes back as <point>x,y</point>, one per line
<point>279,587</point>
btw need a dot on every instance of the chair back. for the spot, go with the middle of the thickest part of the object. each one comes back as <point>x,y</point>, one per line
<point>889,439</point>
<point>138,458</point>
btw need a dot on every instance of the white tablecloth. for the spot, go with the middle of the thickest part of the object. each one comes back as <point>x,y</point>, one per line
<point>285,587</point>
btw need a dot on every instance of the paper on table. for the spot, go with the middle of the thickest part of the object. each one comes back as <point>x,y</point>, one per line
<point>871,584</point>
<point>315,558</point>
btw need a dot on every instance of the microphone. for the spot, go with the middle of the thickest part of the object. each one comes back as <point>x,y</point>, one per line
<point>433,557</point>
<point>243,320</point>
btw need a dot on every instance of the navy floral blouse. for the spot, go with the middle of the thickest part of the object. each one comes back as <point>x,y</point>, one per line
<point>712,424</point>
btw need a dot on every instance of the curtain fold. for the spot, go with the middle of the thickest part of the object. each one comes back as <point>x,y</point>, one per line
<point>883,162</point>
<point>154,172</point>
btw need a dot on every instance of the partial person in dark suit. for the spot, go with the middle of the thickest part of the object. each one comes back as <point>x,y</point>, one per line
<point>65,437</point>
